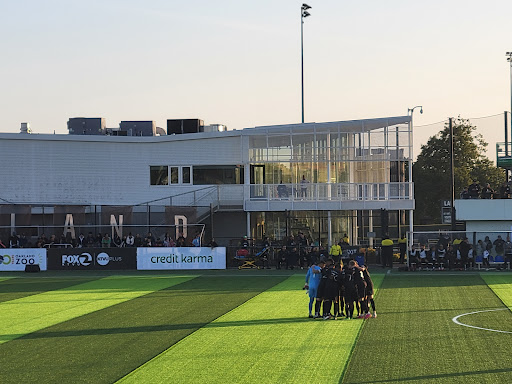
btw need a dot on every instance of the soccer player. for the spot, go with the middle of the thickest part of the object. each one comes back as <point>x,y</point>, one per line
<point>339,303</point>
<point>349,291</point>
<point>369,289</point>
<point>313,277</point>
<point>321,289</point>
<point>361,289</point>
<point>331,291</point>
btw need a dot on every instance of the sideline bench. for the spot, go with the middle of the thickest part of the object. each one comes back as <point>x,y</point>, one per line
<point>497,261</point>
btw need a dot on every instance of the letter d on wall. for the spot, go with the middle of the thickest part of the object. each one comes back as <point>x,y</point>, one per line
<point>181,220</point>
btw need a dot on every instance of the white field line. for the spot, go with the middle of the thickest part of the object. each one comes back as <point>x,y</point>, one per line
<point>456,320</point>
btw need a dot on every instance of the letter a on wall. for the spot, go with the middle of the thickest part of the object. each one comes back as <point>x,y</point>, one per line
<point>69,226</point>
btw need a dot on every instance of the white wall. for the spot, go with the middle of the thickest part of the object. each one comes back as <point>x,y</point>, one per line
<point>68,169</point>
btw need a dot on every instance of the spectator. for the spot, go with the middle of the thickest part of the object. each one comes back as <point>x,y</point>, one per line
<point>441,256</point>
<point>291,242</point>
<point>474,190</point>
<point>23,241</point>
<point>345,241</point>
<point>465,193</point>
<point>81,241</point>
<point>487,192</point>
<point>196,242</point>
<point>450,256</point>
<point>159,242</point>
<point>508,250</point>
<point>98,242</point>
<point>212,243</point>
<point>464,248</point>
<point>90,240</point>
<point>244,243</point>
<point>14,241</point>
<point>137,242</point>
<point>499,246</point>
<point>485,260</point>
<point>282,190</point>
<point>149,240</point>
<point>488,244</point>
<point>181,241</point>
<point>423,256</point>
<point>505,191</point>
<point>105,241</point>
<point>282,256</point>
<point>291,258</point>
<point>168,241</point>
<point>130,240</point>
<point>304,187</point>
<point>413,259</point>
<point>480,248</point>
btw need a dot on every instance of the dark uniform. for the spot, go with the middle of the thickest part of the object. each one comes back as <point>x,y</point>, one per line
<point>349,290</point>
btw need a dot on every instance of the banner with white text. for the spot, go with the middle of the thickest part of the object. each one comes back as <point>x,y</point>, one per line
<point>181,258</point>
<point>16,259</point>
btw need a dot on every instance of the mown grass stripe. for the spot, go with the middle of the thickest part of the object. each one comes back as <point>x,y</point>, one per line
<point>501,285</point>
<point>269,339</point>
<point>29,314</point>
<point>16,288</point>
<point>415,340</point>
<point>105,345</point>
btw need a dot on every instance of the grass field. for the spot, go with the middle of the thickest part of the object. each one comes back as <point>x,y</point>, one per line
<point>251,327</point>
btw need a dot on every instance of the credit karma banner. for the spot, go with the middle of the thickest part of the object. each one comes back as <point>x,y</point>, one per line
<point>15,259</point>
<point>91,258</point>
<point>181,258</point>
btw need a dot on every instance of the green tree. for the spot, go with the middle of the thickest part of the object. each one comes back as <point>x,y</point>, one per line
<point>431,171</point>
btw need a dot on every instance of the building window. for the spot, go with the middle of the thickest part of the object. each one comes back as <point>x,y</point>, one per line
<point>218,174</point>
<point>174,175</point>
<point>185,175</point>
<point>159,175</point>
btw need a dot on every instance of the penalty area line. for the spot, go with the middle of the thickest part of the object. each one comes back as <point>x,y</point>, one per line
<point>456,320</point>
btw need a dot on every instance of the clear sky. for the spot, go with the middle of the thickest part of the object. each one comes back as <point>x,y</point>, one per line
<point>237,62</point>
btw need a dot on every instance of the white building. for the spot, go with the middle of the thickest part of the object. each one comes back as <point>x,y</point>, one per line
<point>237,182</point>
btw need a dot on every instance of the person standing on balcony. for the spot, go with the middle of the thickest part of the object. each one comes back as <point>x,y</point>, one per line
<point>304,188</point>
<point>474,190</point>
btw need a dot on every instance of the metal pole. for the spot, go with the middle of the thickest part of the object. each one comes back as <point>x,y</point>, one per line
<point>452,173</point>
<point>507,171</point>
<point>302,57</point>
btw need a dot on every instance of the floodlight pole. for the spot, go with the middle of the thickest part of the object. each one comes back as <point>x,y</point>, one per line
<point>303,14</point>
<point>410,112</point>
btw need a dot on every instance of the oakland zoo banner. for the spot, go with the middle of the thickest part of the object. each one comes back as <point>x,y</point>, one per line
<point>181,258</point>
<point>16,259</point>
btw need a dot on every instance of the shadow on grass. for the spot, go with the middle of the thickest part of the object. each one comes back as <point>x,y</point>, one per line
<point>157,328</point>
<point>433,377</point>
<point>411,280</point>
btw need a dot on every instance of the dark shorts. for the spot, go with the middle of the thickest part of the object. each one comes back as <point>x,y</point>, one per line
<point>369,289</point>
<point>331,292</point>
<point>350,295</point>
<point>361,291</point>
<point>321,290</point>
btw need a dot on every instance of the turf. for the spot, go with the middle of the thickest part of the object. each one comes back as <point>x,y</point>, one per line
<point>29,314</point>
<point>501,284</point>
<point>12,289</point>
<point>269,339</point>
<point>416,341</point>
<point>105,345</point>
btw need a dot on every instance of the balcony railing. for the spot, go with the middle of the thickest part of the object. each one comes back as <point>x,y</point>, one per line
<point>332,192</point>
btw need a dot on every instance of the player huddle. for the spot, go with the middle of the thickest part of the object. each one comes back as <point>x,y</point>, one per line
<point>349,288</point>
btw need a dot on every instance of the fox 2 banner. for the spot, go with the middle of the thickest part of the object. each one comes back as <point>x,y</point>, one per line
<point>16,259</point>
<point>181,258</point>
<point>91,258</point>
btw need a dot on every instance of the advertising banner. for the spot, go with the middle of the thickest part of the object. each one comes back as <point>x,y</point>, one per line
<point>15,259</point>
<point>181,258</point>
<point>92,258</point>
